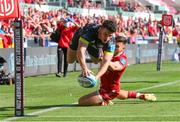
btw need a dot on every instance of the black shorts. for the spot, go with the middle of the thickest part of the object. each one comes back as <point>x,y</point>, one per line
<point>75,40</point>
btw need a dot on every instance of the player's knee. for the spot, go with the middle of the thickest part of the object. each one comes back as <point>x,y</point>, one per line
<point>71,56</point>
<point>122,97</point>
<point>81,102</point>
<point>70,61</point>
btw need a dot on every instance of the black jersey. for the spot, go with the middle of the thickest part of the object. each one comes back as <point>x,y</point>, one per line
<point>89,36</point>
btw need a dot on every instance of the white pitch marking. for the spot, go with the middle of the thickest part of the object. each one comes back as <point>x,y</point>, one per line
<point>110,116</point>
<point>37,112</point>
<point>159,85</point>
<point>55,108</point>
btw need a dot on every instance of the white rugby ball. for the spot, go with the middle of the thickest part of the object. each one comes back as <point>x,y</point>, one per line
<point>87,81</point>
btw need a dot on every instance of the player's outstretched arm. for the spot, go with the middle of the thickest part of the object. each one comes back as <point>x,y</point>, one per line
<point>82,59</point>
<point>115,66</point>
<point>104,64</point>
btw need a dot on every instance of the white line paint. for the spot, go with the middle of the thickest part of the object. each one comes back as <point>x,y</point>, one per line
<point>159,85</point>
<point>109,116</point>
<point>57,108</point>
<point>37,112</point>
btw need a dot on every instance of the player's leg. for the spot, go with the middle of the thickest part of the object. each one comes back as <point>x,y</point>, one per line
<point>71,55</point>
<point>178,41</point>
<point>136,95</point>
<point>93,98</point>
<point>73,46</point>
<point>65,62</point>
<point>123,94</point>
<point>59,62</point>
<point>128,94</point>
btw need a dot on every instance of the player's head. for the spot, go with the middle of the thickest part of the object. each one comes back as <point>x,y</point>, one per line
<point>106,30</point>
<point>120,44</point>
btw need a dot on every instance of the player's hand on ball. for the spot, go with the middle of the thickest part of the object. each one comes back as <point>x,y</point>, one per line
<point>87,81</point>
<point>86,72</point>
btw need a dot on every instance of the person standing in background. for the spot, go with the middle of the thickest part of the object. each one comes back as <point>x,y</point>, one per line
<point>67,28</point>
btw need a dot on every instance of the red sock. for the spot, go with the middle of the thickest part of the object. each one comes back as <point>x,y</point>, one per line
<point>132,94</point>
<point>142,97</point>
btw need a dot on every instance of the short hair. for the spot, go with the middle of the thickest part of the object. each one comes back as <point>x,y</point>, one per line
<point>121,39</point>
<point>110,25</point>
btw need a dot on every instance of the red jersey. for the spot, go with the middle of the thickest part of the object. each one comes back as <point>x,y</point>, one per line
<point>66,36</point>
<point>28,1</point>
<point>175,32</point>
<point>110,81</point>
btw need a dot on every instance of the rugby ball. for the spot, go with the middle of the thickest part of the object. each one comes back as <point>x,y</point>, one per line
<point>87,81</point>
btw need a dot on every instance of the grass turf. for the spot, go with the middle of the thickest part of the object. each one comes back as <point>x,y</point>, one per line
<point>44,92</point>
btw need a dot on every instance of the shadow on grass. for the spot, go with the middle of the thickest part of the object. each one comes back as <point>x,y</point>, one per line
<point>39,107</point>
<point>6,108</point>
<point>49,106</point>
<point>128,102</point>
<point>34,108</point>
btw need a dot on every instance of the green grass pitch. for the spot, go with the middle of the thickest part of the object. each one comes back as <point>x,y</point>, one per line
<point>49,98</point>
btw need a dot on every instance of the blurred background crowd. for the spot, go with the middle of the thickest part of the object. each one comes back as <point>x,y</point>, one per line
<point>39,21</point>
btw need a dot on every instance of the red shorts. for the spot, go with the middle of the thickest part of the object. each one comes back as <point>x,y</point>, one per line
<point>108,95</point>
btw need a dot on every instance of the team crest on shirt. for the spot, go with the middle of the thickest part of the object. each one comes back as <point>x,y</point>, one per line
<point>123,61</point>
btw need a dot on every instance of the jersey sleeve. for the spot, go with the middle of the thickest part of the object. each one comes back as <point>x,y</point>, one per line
<point>84,39</point>
<point>123,61</point>
<point>88,35</point>
<point>109,48</point>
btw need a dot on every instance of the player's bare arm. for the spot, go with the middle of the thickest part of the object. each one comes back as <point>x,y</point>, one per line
<point>82,59</point>
<point>115,66</point>
<point>104,64</point>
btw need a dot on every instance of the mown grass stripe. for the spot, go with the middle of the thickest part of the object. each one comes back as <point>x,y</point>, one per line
<point>62,107</point>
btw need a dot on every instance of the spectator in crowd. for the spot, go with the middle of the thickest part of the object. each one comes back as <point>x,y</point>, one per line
<point>2,30</point>
<point>178,40</point>
<point>89,4</point>
<point>67,28</point>
<point>37,32</point>
<point>93,38</point>
<point>151,29</point>
<point>70,3</point>
<point>46,22</point>
<point>132,36</point>
<point>5,35</point>
<point>176,55</point>
<point>28,1</point>
<point>175,32</point>
<point>110,81</point>
<point>40,2</point>
<point>6,41</point>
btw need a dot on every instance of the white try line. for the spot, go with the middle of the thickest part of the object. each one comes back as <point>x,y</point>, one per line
<point>119,116</point>
<point>38,112</point>
<point>57,108</point>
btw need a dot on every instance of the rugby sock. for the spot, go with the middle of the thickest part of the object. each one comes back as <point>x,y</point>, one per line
<point>132,94</point>
<point>140,96</point>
